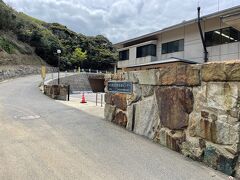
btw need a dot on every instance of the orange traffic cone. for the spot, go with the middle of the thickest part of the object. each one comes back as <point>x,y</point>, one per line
<point>83,99</point>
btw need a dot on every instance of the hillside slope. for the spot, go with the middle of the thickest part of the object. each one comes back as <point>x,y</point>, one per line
<point>27,40</point>
<point>15,52</point>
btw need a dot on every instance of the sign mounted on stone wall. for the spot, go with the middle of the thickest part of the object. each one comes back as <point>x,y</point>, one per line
<point>120,87</point>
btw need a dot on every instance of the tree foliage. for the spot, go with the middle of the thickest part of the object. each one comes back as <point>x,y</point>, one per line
<point>78,57</point>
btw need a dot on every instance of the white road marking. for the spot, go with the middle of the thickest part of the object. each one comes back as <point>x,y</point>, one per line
<point>27,117</point>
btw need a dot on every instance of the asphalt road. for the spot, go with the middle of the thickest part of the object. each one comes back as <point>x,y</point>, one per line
<point>44,139</point>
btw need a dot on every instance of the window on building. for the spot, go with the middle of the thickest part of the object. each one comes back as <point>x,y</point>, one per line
<point>222,36</point>
<point>147,50</point>
<point>174,46</point>
<point>123,55</point>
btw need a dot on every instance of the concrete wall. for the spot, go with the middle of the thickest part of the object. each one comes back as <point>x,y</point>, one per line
<point>78,82</point>
<point>82,82</point>
<point>191,109</point>
<point>193,49</point>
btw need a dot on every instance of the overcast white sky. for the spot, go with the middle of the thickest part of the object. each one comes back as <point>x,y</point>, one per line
<point>117,19</point>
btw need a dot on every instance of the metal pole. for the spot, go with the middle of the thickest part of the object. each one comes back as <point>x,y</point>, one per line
<point>52,74</point>
<point>58,69</point>
<point>115,69</point>
<point>202,37</point>
<point>96,98</point>
<point>68,92</point>
<point>101,100</point>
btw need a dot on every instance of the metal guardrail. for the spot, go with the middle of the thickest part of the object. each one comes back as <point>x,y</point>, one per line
<point>90,71</point>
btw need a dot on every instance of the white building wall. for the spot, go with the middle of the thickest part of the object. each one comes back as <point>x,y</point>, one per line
<point>132,54</point>
<point>173,35</point>
<point>133,60</point>
<point>221,52</point>
<point>193,48</point>
<point>159,48</point>
<point>169,36</point>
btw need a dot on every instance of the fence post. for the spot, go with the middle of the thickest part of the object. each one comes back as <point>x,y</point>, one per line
<point>96,98</point>
<point>68,92</point>
<point>52,75</point>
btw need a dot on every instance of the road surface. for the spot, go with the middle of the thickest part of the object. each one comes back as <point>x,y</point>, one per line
<point>44,139</point>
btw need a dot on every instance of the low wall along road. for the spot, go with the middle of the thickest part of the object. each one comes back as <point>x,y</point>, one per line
<point>21,70</point>
<point>191,109</point>
<point>82,82</point>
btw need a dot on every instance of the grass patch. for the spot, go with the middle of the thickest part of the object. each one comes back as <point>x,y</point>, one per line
<point>8,46</point>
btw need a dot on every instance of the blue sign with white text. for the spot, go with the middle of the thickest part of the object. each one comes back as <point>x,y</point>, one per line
<point>120,87</point>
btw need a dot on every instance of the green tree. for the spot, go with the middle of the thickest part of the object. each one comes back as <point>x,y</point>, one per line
<point>78,57</point>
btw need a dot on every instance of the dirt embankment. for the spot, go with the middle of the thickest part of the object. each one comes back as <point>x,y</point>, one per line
<point>14,52</point>
<point>18,58</point>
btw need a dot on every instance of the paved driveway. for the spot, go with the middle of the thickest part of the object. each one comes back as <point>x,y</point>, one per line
<point>44,139</point>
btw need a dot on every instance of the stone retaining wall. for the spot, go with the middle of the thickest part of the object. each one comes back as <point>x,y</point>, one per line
<point>58,92</point>
<point>191,109</point>
<point>21,70</point>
